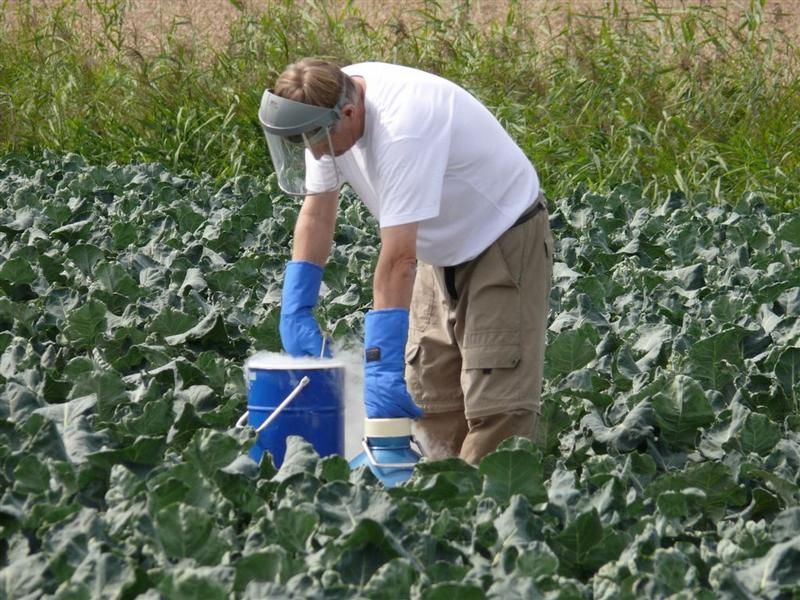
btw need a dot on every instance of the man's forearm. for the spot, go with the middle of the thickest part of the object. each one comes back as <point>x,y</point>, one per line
<point>313,232</point>
<point>393,284</point>
<point>397,267</point>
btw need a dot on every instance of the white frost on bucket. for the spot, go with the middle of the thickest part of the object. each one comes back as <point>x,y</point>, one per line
<point>347,355</point>
<point>352,356</point>
<point>270,361</point>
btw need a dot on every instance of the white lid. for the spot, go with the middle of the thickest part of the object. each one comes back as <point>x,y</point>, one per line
<point>273,361</point>
<point>387,427</point>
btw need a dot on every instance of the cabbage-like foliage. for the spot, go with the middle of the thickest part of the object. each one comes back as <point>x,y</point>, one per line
<point>668,454</point>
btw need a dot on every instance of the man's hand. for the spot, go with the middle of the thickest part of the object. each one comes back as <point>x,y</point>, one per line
<point>385,393</point>
<point>300,333</point>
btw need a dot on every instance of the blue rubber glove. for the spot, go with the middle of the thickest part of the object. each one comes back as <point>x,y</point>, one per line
<point>300,332</point>
<point>385,393</point>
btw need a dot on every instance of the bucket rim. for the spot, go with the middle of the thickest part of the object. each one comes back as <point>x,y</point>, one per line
<point>279,362</point>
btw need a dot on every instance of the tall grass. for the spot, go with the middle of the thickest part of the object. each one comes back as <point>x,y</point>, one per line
<point>693,99</point>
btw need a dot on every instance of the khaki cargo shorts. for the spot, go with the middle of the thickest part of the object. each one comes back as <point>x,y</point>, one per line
<point>481,352</point>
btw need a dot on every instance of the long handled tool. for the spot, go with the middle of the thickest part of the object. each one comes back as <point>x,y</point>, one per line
<point>286,401</point>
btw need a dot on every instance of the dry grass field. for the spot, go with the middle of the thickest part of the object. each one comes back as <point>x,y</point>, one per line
<point>207,22</point>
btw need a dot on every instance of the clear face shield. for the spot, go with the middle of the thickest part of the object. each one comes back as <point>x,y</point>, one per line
<point>299,141</point>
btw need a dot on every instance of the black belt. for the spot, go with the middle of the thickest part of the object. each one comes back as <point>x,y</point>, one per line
<point>450,272</point>
<point>529,214</point>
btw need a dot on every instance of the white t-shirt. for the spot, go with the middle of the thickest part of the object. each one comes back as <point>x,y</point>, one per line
<point>432,154</point>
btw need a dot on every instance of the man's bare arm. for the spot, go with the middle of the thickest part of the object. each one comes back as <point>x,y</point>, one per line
<point>313,232</point>
<point>397,265</point>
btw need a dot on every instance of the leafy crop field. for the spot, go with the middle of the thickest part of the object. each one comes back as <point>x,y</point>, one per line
<point>668,458</point>
<point>142,242</point>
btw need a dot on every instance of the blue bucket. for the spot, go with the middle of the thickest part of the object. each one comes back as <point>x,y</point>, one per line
<point>316,413</point>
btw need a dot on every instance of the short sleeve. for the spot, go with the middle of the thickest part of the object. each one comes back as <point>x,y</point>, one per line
<point>321,175</point>
<point>412,171</point>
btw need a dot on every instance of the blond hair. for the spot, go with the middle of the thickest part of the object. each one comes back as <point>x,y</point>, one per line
<point>315,81</point>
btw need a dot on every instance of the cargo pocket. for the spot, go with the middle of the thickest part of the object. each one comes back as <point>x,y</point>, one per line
<point>422,299</point>
<point>549,249</point>
<point>490,377</point>
<point>512,252</point>
<point>412,372</point>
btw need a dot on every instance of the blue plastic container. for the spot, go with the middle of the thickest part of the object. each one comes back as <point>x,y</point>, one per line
<point>388,450</point>
<point>316,413</point>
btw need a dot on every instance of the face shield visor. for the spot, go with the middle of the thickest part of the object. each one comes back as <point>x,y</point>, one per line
<point>299,140</point>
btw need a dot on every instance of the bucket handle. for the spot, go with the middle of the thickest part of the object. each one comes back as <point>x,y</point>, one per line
<point>375,463</point>
<point>286,401</point>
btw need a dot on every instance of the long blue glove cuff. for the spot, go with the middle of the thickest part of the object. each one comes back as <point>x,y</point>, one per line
<point>300,334</point>
<point>301,283</point>
<point>385,393</point>
<point>385,335</point>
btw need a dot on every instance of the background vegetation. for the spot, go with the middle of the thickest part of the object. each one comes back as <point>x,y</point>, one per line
<point>694,98</point>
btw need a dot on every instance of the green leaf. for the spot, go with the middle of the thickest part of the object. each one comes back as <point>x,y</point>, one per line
<point>758,434</point>
<point>193,280</point>
<point>786,525</point>
<point>69,542</point>
<point>449,590</point>
<point>292,527</point>
<point>237,482</point>
<point>269,564</point>
<point>509,472</point>
<point>715,361</point>
<point>116,280</point>
<point>171,321</point>
<point>690,278</point>
<point>450,482</point>
<point>650,343</point>
<point>17,271</point>
<point>107,387</point>
<point>124,234</point>
<point>100,575</point>
<point>682,410</point>
<point>342,505</point>
<point>144,450</point>
<point>210,450</point>
<point>27,577</point>
<point>634,430</point>
<point>537,560</point>
<point>789,230</point>
<point>788,491</point>
<point>570,351</point>
<point>188,532</point>
<point>518,524</point>
<point>673,504</point>
<point>553,420</point>
<point>85,257</point>
<point>84,326</point>
<point>714,480</point>
<point>392,580</point>
<point>672,571</point>
<point>787,370</point>
<point>300,457</point>
<point>31,476</point>
<point>364,550</point>
<point>333,468</point>
<point>774,572</point>
<point>194,583</point>
<point>585,545</point>
<point>208,332</point>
